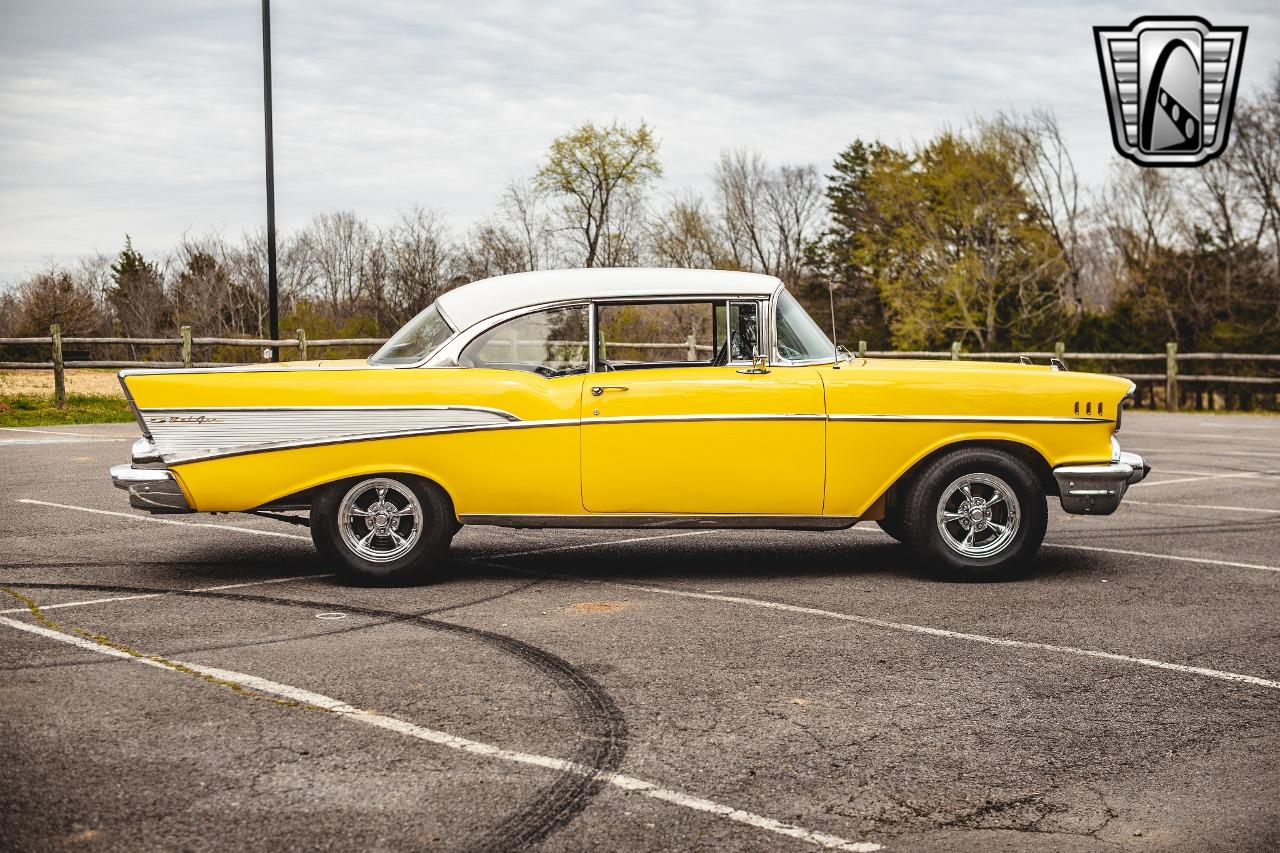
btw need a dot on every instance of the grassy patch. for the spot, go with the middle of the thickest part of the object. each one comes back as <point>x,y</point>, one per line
<point>17,410</point>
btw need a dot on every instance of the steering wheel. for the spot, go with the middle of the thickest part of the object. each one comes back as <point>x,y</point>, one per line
<point>722,357</point>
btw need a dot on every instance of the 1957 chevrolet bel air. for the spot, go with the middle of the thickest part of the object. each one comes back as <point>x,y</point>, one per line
<point>630,398</point>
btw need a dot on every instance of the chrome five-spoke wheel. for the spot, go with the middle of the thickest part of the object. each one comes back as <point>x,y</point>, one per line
<point>380,519</point>
<point>978,515</point>
<point>382,528</point>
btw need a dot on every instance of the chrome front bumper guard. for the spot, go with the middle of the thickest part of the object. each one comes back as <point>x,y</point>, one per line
<point>150,485</point>
<point>1098,489</point>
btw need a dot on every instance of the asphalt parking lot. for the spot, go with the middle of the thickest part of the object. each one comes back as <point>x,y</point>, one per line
<point>199,682</point>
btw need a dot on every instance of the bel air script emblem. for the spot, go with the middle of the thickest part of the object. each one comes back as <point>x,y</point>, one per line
<point>184,419</point>
<point>1170,85</point>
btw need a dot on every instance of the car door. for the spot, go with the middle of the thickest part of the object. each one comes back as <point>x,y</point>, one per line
<point>530,370</point>
<point>665,429</point>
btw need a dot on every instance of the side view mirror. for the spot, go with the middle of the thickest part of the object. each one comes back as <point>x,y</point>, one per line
<point>759,364</point>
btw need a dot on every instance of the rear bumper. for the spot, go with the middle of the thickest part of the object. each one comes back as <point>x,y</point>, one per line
<point>1098,489</point>
<point>153,489</point>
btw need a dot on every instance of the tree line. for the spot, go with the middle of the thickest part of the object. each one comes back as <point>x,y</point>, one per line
<point>983,235</point>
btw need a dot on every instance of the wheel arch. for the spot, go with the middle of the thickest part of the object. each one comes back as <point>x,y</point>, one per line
<point>302,498</point>
<point>1028,454</point>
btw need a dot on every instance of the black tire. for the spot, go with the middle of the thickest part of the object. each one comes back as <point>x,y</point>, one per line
<point>399,563</point>
<point>986,472</point>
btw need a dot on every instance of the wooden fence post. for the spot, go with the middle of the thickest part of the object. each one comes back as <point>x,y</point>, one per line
<point>186,346</point>
<point>692,343</point>
<point>1058,349</point>
<point>1171,377</point>
<point>302,345</point>
<point>59,373</point>
<point>955,350</point>
<point>862,349</point>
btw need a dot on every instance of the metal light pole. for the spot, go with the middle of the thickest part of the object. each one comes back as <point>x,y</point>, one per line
<point>273,295</point>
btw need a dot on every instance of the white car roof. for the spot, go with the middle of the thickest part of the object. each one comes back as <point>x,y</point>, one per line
<point>465,306</point>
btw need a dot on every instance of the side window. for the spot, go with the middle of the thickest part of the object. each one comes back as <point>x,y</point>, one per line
<point>642,335</point>
<point>744,324</point>
<point>658,334</point>
<point>549,343</point>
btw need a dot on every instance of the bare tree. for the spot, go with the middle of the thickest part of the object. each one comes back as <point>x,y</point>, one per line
<point>419,259</point>
<point>337,247</point>
<point>1256,157</point>
<point>598,172</point>
<point>1048,176</point>
<point>522,213</point>
<point>770,218</point>
<point>685,235</point>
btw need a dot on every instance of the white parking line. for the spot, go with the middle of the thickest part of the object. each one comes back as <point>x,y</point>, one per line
<point>154,520</point>
<point>1238,453</point>
<point>162,594</point>
<point>1202,560</point>
<point>872,530</point>
<point>473,747</point>
<point>1237,475</point>
<point>28,441</point>
<point>1202,506</point>
<point>1213,435</point>
<point>935,632</point>
<point>64,432</point>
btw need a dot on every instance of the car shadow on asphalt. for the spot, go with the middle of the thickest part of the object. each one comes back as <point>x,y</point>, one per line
<point>752,557</point>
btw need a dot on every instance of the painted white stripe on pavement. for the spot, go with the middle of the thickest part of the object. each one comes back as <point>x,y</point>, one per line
<point>1202,506</point>
<point>154,520</point>
<point>113,599</point>
<point>96,435</point>
<point>1217,435</point>
<point>1236,452</point>
<point>1102,550</point>
<point>1237,475</point>
<point>474,747</point>
<point>26,441</point>
<point>937,632</point>
<point>1202,560</point>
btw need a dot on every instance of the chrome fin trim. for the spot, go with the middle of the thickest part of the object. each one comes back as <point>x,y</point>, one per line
<point>655,521</point>
<point>182,436</point>
<point>973,419</point>
<point>189,435</point>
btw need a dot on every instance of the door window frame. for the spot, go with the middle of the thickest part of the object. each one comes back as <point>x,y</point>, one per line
<point>763,336</point>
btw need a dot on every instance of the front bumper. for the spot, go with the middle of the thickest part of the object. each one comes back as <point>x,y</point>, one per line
<point>1098,489</point>
<point>150,485</point>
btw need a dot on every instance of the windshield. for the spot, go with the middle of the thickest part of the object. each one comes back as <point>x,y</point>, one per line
<point>799,338</point>
<point>415,340</point>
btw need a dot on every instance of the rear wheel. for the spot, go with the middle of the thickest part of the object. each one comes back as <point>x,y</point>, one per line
<point>976,513</point>
<point>381,529</point>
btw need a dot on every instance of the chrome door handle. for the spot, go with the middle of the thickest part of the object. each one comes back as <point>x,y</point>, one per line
<point>597,390</point>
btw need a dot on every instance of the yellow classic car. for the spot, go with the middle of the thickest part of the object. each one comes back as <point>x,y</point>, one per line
<point>630,398</point>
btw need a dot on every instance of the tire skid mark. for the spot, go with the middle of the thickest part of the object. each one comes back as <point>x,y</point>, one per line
<point>602,729</point>
<point>220,647</point>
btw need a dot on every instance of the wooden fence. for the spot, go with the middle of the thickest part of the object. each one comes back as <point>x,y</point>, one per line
<point>1171,378</point>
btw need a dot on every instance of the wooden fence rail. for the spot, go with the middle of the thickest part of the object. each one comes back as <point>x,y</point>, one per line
<point>1171,377</point>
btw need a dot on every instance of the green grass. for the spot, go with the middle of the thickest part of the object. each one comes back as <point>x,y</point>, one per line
<point>18,410</point>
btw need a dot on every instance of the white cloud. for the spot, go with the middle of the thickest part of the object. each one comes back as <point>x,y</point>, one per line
<point>146,118</point>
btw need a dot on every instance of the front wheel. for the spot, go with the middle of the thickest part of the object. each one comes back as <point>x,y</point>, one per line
<point>381,529</point>
<point>976,513</point>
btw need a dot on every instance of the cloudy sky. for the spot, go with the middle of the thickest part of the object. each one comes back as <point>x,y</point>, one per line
<point>145,116</point>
